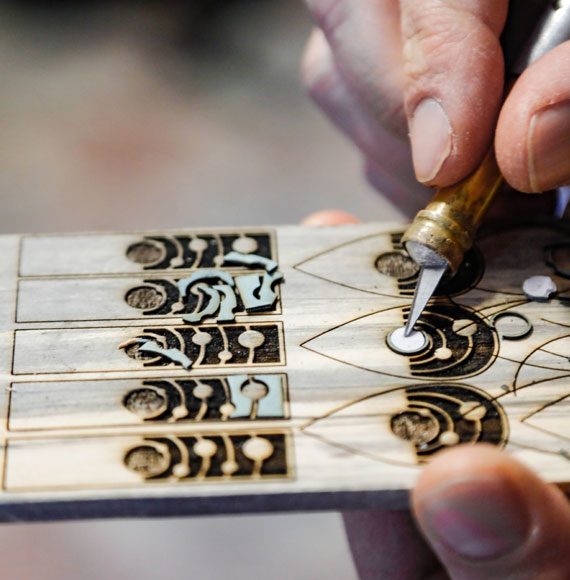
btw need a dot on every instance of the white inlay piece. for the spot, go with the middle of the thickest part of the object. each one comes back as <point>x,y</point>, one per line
<point>414,342</point>
<point>539,288</point>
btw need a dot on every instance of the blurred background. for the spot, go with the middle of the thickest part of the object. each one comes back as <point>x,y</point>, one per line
<point>136,115</point>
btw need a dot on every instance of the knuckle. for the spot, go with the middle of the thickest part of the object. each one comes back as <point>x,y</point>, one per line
<point>317,73</point>
<point>428,46</point>
<point>329,14</point>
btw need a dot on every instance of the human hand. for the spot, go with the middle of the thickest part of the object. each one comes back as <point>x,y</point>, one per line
<point>435,68</point>
<point>475,513</point>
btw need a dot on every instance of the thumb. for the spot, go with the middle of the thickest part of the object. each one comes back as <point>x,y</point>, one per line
<point>454,75</point>
<point>488,516</point>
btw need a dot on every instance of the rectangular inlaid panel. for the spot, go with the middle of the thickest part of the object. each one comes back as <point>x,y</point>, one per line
<point>94,462</point>
<point>111,403</point>
<point>91,350</point>
<point>129,253</point>
<point>208,371</point>
<point>117,298</point>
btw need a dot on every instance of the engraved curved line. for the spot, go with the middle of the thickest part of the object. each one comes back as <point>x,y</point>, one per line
<point>179,251</point>
<point>178,336</point>
<point>466,355</point>
<point>354,451</point>
<point>531,384</point>
<point>203,405</point>
<point>556,323</point>
<point>348,322</point>
<point>549,404</point>
<point>251,354</point>
<point>566,358</point>
<point>225,343</point>
<point>172,354</point>
<point>199,253</point>
<point>227,391</point>
<point>416,358</point>
<point>504,307</point>
<point>349,404</point>
<point>531,448</point>
<point>220,245</point>
<point>182,396</point>
<point>524,361</point>
<point>184,455</point>
<point>534,366</point>
<point>337,247</point>
<point>230,451</point>
<point>457,402</point>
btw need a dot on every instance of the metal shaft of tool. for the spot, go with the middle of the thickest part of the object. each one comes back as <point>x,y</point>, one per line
<point>427,283</point>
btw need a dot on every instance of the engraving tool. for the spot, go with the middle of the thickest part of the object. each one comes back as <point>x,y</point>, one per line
<point>441,233</point>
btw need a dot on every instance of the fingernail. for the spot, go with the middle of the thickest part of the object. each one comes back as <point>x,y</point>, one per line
<point>430,133</point>
<point>476,519</point>
<point>549,147</point>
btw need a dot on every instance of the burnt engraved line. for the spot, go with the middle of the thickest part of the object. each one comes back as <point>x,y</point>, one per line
<point>359,452</point>
<point>533,352</point>
<point>349,322</point>
<point>555,323</point>
<point>528,386</point>
<point>566,358</point>
<point>532,365</point>
<point>550,403</point>
<point>560,453</point>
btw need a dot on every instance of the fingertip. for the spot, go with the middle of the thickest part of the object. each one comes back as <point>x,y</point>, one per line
<point>532,141</point>
<point>330,217</point>
<point>480,509</point>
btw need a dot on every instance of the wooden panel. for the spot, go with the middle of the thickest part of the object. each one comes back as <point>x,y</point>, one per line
<point>251,369</point>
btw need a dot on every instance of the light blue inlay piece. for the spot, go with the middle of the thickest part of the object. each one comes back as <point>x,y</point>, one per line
<point>172,354</point>
<point>242,404</point>
<point>249,285</point>
<point>210,309</point>
<point>229,303</point>
<point>272,405</point>
<point>251,260</point>
<point>185,283</point>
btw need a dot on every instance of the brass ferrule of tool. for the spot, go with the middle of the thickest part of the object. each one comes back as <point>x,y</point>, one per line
<point>447,226</point>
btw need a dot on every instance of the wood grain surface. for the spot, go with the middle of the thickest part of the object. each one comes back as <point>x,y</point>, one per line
<point>226,371</point>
